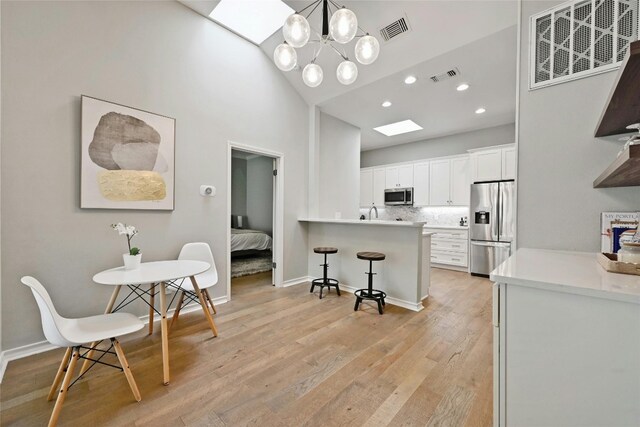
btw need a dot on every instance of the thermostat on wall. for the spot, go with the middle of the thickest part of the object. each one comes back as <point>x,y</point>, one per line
<point>207,190</point>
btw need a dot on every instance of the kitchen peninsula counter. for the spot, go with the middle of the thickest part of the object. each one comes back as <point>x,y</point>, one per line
<point>566,341</point>
<point>405,273</point>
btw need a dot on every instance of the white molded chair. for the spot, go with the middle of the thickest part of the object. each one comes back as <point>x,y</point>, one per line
<point>198,252</point>
<point>74,334</point>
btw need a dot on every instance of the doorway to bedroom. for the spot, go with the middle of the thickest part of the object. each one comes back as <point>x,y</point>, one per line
<point>252,222</point>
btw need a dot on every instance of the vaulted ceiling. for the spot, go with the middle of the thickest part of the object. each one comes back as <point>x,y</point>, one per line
<point>477,36</point>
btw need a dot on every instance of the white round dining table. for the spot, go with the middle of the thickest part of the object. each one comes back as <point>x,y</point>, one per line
<point>156,273</point>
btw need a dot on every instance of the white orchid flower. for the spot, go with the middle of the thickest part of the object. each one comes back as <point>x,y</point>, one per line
<point>131,230</point>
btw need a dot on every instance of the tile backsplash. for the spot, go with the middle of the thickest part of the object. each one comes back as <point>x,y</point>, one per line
<point>441,215</point>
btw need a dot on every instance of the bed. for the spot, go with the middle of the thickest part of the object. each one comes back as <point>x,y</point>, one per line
<point>247,240</point>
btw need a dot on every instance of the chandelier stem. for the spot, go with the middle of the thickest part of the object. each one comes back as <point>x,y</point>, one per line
<point>325,18</point>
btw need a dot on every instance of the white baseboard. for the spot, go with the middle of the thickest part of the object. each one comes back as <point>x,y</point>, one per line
<point>19,352</point>
<point>394,301</point>
<point>7,356</point>
<point>298,281</point>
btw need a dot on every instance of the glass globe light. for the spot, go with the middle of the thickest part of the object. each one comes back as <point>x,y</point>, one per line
<point>367,49</point>
<point>296,30</point>
<point>312,75</point>
<point>285,57</point>
<point>347,72</point>
<point>343,26</point>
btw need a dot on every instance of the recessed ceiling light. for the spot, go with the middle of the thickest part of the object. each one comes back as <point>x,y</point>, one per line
<point>410,80</point>
<point>461,87</point>
<point>386,104</point>
<point>255,20</point>
<point>398,128</point>
<point>480,110</point>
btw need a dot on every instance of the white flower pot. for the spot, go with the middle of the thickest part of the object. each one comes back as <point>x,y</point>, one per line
<point>131,262</point>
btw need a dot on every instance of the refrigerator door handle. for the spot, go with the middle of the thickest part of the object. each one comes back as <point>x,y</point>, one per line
<point>490,244</point>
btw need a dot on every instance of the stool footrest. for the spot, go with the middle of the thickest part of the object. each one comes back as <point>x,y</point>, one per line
<point>325,283</point>
<point>374,295</point>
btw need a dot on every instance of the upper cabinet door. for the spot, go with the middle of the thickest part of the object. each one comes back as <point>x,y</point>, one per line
<point>460,182</point>
<point>379,185</point>
<point>366,187</point>
<point>509,161</point>
<point>421,184</point>
<point>439,182</point>
<point>391,177</point>
<point>487,165</point>
<point>405,176</point>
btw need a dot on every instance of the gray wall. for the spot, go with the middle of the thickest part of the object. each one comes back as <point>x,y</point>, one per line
<point>157,56</point>
<point>559,158</point>
<point>238,186</point>
<point>260,193</point>
<point>438,147</point>
<point>338,168</point>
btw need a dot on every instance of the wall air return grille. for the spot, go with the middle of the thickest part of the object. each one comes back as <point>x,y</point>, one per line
<point>580,38</point>
<point>394,29</point>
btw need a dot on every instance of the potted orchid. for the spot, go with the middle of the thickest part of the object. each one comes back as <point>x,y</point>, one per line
<point>133,258</point>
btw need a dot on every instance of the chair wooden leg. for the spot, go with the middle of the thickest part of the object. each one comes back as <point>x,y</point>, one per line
<point>65,386</point>
<point>213,307</point>
<point>110,304</point>
<point>176,313</point>
<point>61,371</point>
<point>207,314</point>
<point>126,370</point>
<point>152,290</point>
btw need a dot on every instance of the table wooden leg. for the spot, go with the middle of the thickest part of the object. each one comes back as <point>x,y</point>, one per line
<point>110,304</point>
<point>213,307</point>
<point>152,300</point>
<point>205,309</point>
<point>165,336</point>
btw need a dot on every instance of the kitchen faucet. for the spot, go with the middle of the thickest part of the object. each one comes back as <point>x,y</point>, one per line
<point>373,208</point>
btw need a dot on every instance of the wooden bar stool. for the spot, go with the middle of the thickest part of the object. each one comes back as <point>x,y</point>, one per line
<point>370,293</point>
<point>325,281</point>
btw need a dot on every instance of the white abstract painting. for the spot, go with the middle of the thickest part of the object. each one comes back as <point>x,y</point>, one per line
<point>127,157</point>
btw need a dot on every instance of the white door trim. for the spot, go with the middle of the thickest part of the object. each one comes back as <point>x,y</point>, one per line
<point>278,218</point>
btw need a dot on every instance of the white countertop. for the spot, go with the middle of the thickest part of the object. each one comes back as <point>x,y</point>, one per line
<point>364,222</point>
<point>447,227</point>
<point>572,272</point>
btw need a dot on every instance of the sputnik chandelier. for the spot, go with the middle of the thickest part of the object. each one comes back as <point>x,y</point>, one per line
<point>341,29</point>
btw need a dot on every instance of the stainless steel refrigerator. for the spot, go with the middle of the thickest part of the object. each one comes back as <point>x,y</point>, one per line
<point>492,225</point>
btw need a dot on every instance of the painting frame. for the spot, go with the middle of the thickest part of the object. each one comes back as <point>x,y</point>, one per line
<point>127,157</point>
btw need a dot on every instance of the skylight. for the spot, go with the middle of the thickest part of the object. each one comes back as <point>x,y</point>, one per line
<point>254,20</point>
<point>398,128</point>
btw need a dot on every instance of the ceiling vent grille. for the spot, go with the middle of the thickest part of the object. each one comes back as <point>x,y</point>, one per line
<point>394,29</point>
<point>580,38</point>
<point>446,75</point>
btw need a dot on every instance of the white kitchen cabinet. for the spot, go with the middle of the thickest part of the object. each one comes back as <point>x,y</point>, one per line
<point>460,183</point>
<point>449,182</point>
<point>449,248</point>
<point>399,176</point>
<point>366,187</point>
<point>421,184</point>
<point>378,186</point>
<point>493,163</point>
<point>566,342</point>
<point>509,161</point>
<point>439,182</point>
<point>488,165</point>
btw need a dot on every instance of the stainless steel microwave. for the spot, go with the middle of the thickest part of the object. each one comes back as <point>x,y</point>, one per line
<point>398,196</point>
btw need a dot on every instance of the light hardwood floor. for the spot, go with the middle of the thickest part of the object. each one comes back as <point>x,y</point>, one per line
<point>286,358</point>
